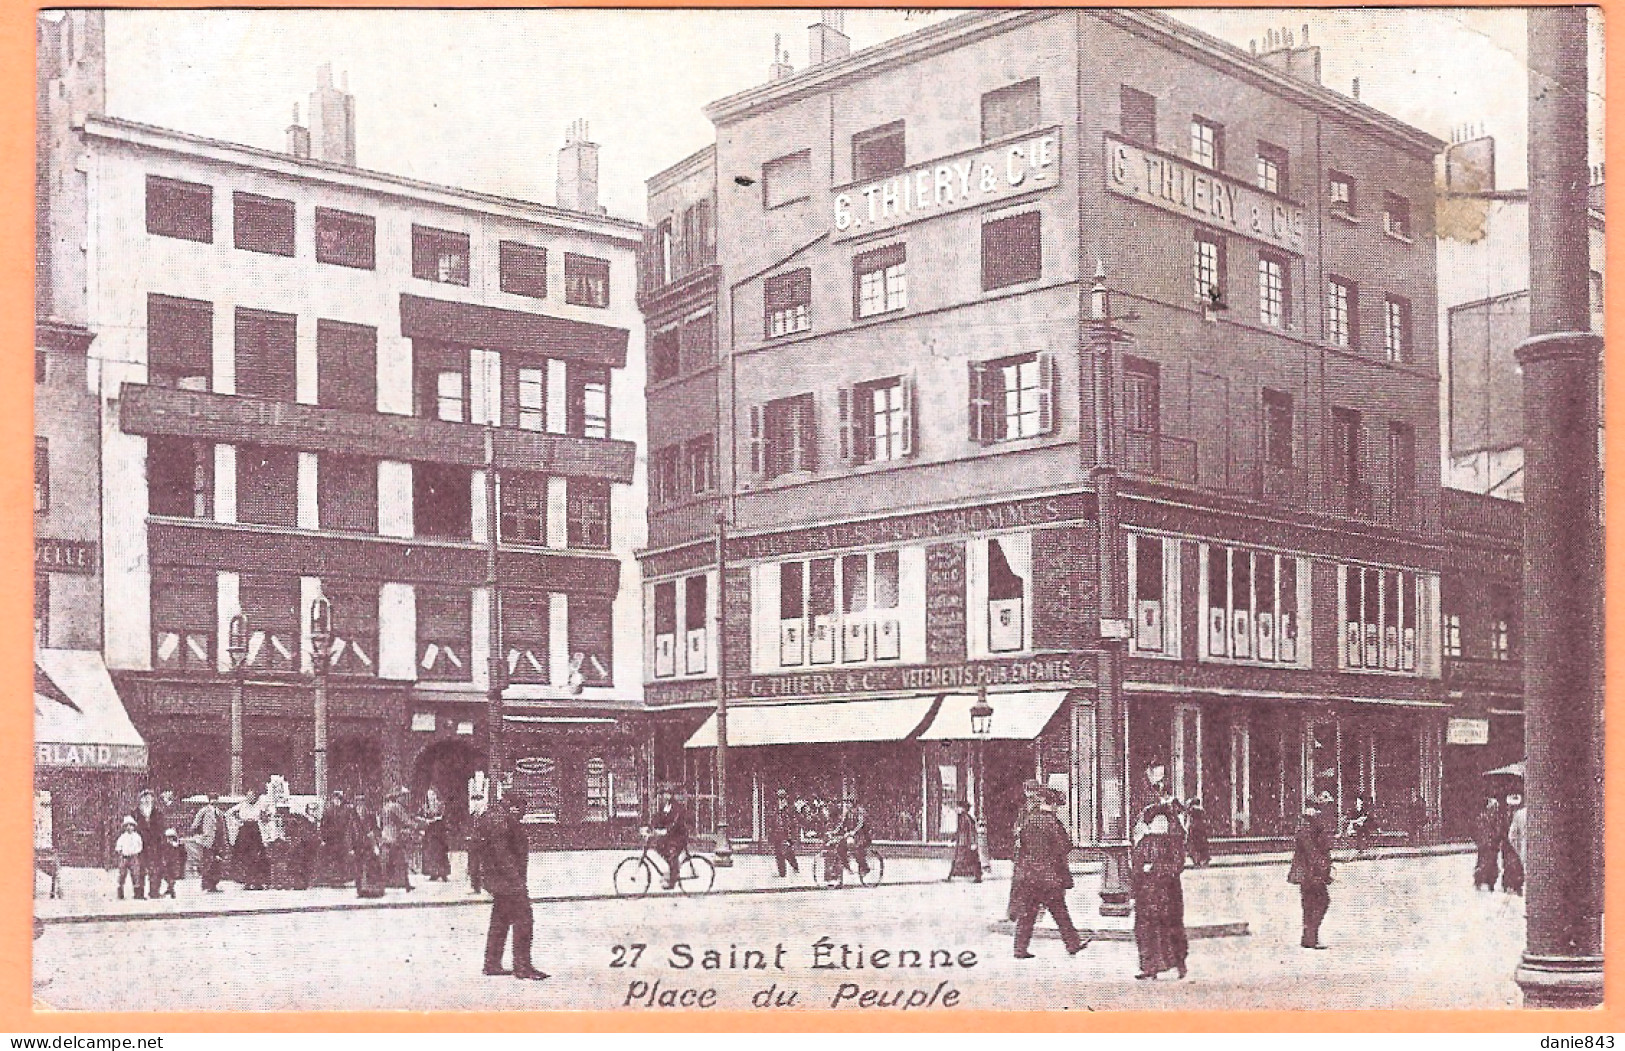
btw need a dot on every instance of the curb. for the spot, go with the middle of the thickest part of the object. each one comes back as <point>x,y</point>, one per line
<point>1126,934</point>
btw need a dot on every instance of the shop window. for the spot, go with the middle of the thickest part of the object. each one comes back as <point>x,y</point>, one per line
<point>664,355</point>
<point>1501,610</point>
<point>878,152</point>
<point>592,640</point>
<point>1380,614</point>
<point>880,281</point>
<point>1320,749</point>
<point>266,355</point>
<point>871,596</point>
<point>665,616</point>
<point>664,473</point>
<point>1010,110</point>
<point>787,303</point>
<point>1452,635</point>
<point>180,478</point>
<point>439,255</point>
<point>877,420</point>
<point>42,475</point>
<point>1207,143</point>
<point>180,343</point>
<point>354,606</point>
<point>682,637</point>
<point>1185,752</point>
<point>525,636</point>
<point>1006,574</point>
<point>840,609</point>
<point>180,209</point>
<point>1341,192</point>
<point>42,610</point>
<point>267,486</point>
<point>1396,216</point>
<point>1396,329</point>
<point>347,493</point>
<point>531,392</point>
<point>587,405</point>
<point>270,604</point>
<point>699,464</point>
<point>1137,116</point>
<point>586,280</point>
<point>1207,265</point>
<point>445,631</point>
<point>1342,311</point>
<point>1153,584</point>
<point>1254,605</point>
<point>536,777</point>
<point>1012,250</point>
<point>442,501</point>
<point>183,620</point>
<point>524,508</point>
<point>262,224</point>
<point>1273,296</point>
<point>1013,398</point>
<point>345,239</point>
<point>1278,438</point>
<point>786,179</point>
<point>346,366</point>
<point>598,800</point>
<point>1272,169</point>
<point>695,622</point>
<point>522,269</point>
<point>783,436</point>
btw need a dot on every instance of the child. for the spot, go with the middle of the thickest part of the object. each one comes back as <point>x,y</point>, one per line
<point>128,849</point>
<point>171,863</point>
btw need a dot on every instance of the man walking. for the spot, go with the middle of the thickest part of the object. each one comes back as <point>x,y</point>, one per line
<point>784,829</point>
<point>505,860</point>
<point>1311,867</point>
<point>209,833</point>
<point>1042,875</point>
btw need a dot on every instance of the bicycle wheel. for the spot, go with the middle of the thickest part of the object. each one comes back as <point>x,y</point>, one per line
<point>876,872</point>
<point>632,877</point>
<point>696,874</point>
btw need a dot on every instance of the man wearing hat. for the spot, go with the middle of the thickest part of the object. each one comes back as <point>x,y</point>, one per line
<point>209,833</point>
<point>150,823</point>
<point>1311,867</point>
<point>783,829</point>
<point>505,855</point>
<point>128,848</point>
<point>1042,875</point>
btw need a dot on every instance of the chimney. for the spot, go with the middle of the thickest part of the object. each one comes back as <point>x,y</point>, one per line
<point>578,171</point>
<point>298,136</point>
<point>332,120</point>
<point>1283,52</point>
<point>827,39</point>
<point>781,66</point>
<point>1356,89</point>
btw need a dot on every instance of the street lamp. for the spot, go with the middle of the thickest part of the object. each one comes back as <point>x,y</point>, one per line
<point>321,656</point>
<point>237,650</point>
<point>725,853</point>
<point>981,726</point>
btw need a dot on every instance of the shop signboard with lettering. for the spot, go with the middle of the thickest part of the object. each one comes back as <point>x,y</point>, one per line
<point>64,556</point>
<point>1166,182</point>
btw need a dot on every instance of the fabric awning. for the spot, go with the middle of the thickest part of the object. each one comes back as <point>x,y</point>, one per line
<point>1016,716</point>
<point>818,722</point>
<point>79,720</point>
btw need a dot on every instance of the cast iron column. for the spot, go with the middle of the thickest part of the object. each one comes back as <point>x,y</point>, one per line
<point>495,664</point>
<point>321,656</point>
<point>725,851</point>
<point>237,650</point>
<point>1563,567</point>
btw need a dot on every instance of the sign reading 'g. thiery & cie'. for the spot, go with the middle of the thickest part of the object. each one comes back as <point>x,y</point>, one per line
<point>1168,183</point>
<point>950,184</point>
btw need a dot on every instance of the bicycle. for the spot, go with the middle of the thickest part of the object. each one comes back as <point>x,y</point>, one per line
<point>871,876</point>
<point>634,875</point>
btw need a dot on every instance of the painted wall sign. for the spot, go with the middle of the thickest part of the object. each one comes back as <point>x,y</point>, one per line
<point>65,556</point>
<point>950,184</point>
<point>945,602</point>
<point>92,756</point>
<point>1072,669</point>
<point>1186,189</point>
<point>1467,731</point>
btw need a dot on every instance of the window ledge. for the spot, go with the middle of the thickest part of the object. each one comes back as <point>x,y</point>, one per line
<point>1401,238</point>
<point>1252,662</point>
<point>1347,217</point>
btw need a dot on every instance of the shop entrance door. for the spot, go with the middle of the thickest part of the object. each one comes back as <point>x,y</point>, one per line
<point>1241,783</point>
<point>447,766</point>
<point>1008,765</point>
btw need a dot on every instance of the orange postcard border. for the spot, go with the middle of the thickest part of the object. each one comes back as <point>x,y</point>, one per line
<point>17,1010</point>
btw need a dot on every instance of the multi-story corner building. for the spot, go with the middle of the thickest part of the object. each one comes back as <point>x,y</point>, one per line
<point>419,403</point>
<point>1237,586</point>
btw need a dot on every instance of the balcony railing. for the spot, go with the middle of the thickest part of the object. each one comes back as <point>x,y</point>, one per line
<point>1159,456</point>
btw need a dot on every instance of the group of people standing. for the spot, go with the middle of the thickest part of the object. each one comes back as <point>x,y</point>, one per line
<point>1501,834</point>
<point>150,854</point>
<point>371,846</point>
<point>841,829</point>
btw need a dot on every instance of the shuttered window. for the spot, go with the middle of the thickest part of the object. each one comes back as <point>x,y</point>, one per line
<point>347,493</point>
<point>525,636</point>
<point>180,209</point>
<point>592,638</point>
<point>270,603</point>
<point>787,303</point>
<point>180,342</point>
<point>355,626</point>
<point>1012,250</point>
<point>183,619</point>
<point>444,633</point>
<point>267,486</point>
<point>345,239</point>
<point>1013,398</point>
<point>346,366</point>
<point>262,224</point>
<point>523,269</point>
<point>1010,110</point>
<point>266,355</point>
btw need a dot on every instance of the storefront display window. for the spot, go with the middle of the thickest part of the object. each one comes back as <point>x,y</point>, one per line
<point>1380,611</point>
<point>835,610</point>
<point>1153,575</point>
<point>1254,606</point>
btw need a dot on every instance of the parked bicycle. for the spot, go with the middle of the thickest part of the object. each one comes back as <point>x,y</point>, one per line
<point>869,874</point>
<point>636,874</point>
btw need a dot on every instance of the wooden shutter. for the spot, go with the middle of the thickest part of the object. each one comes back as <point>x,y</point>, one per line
<point>758,444</point>
<point>977,410</point>
<point>809,433</point>
<point>1048,382</point>
<point>847,450</point>
<point>907,394</point>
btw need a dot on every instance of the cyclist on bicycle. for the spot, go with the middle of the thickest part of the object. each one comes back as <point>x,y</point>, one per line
<point>670,828</point>
<point>851,829</point>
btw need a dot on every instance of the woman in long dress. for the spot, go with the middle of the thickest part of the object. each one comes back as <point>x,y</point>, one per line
<point>1159,913</point>
<point>967,858</point>
<point>369,867</point>
<point>1488,832</point>
<point>248,852</point>
<point>436,848</point>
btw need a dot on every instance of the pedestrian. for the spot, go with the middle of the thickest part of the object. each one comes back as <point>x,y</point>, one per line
<point>1159,899</point>
<point>1196,834</point>
<point>150,824</point>
<point>851,833</point>
<point>476,810</point>
<point>670,829</point>
<point>436,850</point>
<point>1032,792</point>
<point>209,833</point>
<point>967,856</point>
<point>300,829</point>
<point>1043,876</point>
<point>395,826</point>
<point>1488,831</point>
<point>248,852</point>
<point>364,847</point>
<point>784,830</point>
<point>128,847</point>
<point>335,864</point>
<point>1361,825</point>
<point>170,860</point>
<point>1514,845</point>
<point>505,860</point>
<point>1311,867</point>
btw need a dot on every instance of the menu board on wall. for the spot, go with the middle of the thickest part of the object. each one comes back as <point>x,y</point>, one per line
<point>736,633</point>
<point>945,602</point>
<point>1065,586</point>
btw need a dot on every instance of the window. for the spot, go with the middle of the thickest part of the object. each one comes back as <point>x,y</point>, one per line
<point>266,355</point>
<point>877,420</point>
<point>665,616</point>
<point>1012,250</point>
<point>180,343</point>
<point>699,461</point>
<point>879,281</point>
<point>1208,268</point>
<point>1137,116</point>
<point>1153,584</point>
<point>586,280</point>
<point>531,388</point>
<point>270,604</point>
<point>345,238</point>
<point>597,777</point>
<point>1251,603</point>
<point>587,409</point>
<point>1142,402</point>
<point>1012,398</point>
<point>180,209</point>
<point>262,224</point>
<point>1207,143</point>
<point>664,351</point>
<point>877,152</point>
<point>42,475</point>
<point>522,269</point>
<point>592,638</point>
<point>346,366</point>
<point>1341,189</point>
<point>441,501</point>
<point>42,610</point>
<point>664,270</point>
<point>183,619</point>
<point>587,513</point>
<point>1396,329</point>
<point>787,303</point>
<point>681,615</point>
<point>1272,169</point>
<point>445,633</point>
<point>1402,470</point>
<point>1007,567</point>
<point>698,349</point>
<point>267,486</point>
<point>347,493</point>
<point>354,605</point>
<point>439,255</point>
<point>449,399</point>
<point>1272,290</point>
<point>1452,635</point>
<point>784,436</point>
<point>538,779</point>
<point>786,179</point>
<point>664,486</point>
<point>1345,460</point>
<point>871,588</point>
<point>1342,311</point>
<point>180,478</point>
<point>523,502</point>
<point>1501,610</point>
<point>1277,428</point>
<point>1396,216</point>
<point>695,621</point>
<point>844,609</point>
<point>1010,110</point>
<point>525,636</point>
<point>1380,615</point>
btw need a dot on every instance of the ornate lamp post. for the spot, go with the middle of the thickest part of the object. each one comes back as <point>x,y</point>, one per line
<point>981,726</point>
<point>725,853</point>
<point>321,658</point>
<point>237,650</point>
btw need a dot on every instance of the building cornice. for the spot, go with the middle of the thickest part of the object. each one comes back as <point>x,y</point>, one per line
<point>62,335</point>
<point>699,160</point>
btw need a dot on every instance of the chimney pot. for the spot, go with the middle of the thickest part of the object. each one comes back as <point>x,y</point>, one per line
<point>577,186</point>
<point>332,120</point>
<point>1356,87</point>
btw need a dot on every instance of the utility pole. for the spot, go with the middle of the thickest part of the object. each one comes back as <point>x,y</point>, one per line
<point>724,857</point>
<point>1562,962</point>
<point>496,664</point>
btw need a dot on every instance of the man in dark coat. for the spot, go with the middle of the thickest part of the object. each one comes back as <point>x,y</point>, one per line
<point>671,835</point>
<point>151,823</point>
<point>1042,876</point>
<point>1311,867</point>
<point>1488,831</point>
<point>209,832</point>
<point>505,860</point>
<point>784,829</point>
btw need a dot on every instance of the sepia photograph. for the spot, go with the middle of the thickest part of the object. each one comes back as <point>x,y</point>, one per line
<point>846,510</point>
